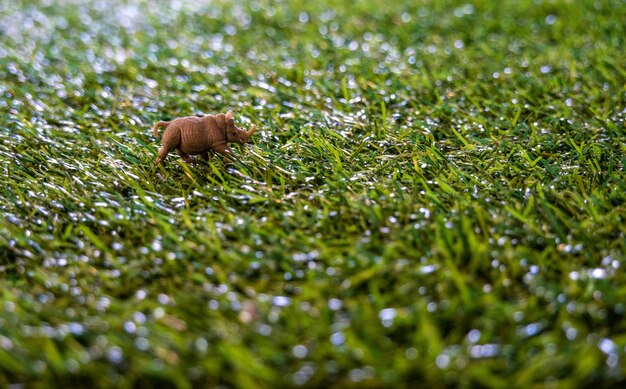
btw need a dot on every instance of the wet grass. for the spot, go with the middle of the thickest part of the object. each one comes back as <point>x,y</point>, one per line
<point>435,196</point>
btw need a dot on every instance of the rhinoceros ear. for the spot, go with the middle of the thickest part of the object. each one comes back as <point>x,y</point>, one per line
<point>229,115</point>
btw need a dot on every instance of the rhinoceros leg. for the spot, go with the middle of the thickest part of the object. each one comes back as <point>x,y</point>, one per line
<point>184,156</point>
<point>205,156</point>
<point>170,141</point>
<point>224,149</point>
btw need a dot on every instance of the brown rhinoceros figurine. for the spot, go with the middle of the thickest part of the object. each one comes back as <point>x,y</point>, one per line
<point>193,135</point>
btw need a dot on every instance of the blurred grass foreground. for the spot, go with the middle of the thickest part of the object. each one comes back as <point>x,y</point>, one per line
<point>435,196</point>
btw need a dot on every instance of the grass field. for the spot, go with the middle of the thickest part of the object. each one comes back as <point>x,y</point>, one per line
<point>435,195</point>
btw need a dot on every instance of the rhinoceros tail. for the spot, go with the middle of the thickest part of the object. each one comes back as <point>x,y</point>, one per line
<point>156,127</point>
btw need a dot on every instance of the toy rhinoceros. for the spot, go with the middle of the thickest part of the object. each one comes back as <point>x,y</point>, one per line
<point>193,135</point>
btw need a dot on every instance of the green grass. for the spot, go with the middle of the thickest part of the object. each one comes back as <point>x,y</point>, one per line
<point>435,195</point>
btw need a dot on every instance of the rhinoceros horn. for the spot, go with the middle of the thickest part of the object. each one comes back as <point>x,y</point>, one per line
<point>251,131</point>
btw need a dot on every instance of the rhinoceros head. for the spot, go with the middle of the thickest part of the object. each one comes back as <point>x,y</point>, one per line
<point>236,134</point>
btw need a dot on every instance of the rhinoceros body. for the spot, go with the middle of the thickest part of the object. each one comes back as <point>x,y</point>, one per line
<point>193,135</point>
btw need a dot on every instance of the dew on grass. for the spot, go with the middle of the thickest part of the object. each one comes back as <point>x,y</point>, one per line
<point>530,330</point>
<point>142,343</point>
<point>546,69</point>
<point>13,219</point>
<point>158,313</point>
<point>130,327</point>
<point>387,316</point>
<point>115,354</point>
<point>598,273</point>
<point>9,306</point>
<point>139,318</point>
<point>164,299</point>
<point>337,338</point>
<point>442,361</point>
<point>428,269</point>
<point>607,346</point>
<point>473,336</point>
<point>157,245</point>
<point>484,351</point>
<point>357,375</point>
<point>304,374</point>
<point>281,301</point>
<point>264,330</point>
<point>75,328</point>
<point>299,351</point>
<point>334,304</point>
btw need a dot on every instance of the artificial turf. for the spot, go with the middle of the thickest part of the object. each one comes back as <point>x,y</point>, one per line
<point>435,195</point>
